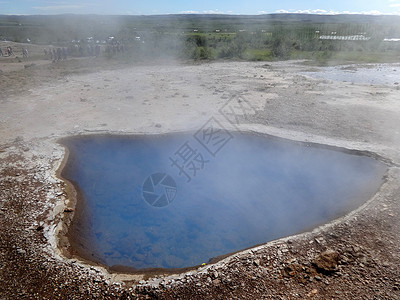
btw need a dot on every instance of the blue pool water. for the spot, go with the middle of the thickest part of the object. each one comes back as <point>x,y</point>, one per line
<point>174,201</point>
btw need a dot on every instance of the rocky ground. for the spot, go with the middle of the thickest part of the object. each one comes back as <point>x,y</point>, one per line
<point>354,257</point>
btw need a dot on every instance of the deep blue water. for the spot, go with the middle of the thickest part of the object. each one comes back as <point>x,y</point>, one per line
<point>244,190</point>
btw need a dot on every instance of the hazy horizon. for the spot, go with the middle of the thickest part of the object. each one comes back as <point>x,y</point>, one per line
<point>233,7</point>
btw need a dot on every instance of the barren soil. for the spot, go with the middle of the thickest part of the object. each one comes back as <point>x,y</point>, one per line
<point>355,257</point>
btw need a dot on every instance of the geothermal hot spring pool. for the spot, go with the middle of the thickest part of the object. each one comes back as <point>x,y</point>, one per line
<point>178,200</point>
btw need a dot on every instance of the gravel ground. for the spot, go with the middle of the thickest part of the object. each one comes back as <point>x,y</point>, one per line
<point>354,257</point>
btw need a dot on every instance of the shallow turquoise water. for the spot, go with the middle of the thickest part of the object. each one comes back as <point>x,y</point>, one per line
<point>241,191</point>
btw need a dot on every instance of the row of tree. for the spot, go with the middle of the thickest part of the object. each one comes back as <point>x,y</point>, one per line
<point>280,43</point>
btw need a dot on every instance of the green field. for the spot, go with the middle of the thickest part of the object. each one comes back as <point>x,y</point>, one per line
<point>210,37</point>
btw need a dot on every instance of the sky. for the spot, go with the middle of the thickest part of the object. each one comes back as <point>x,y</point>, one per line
<point>151,7</point>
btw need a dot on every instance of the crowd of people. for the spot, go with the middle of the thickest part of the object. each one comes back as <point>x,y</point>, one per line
<point>114,48</point>
<point>9,51</point>
<point>56,54</point>
<point>78,50</point>
<point>61,53</point>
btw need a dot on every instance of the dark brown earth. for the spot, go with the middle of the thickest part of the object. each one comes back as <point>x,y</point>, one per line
<point>355,257</point>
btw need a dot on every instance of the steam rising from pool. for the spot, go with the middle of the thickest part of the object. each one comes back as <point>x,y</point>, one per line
<point>257,189</point>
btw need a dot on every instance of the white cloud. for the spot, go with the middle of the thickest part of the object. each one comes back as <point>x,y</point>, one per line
<point>189,12</point>
<point>208,12</point>
<point>213,12</point>
<point>325,12</point>
<point>308,11</point>
<point>320,11</point>
<point>394,5</point>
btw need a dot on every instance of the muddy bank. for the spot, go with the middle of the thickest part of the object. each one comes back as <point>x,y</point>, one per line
<point>363,257</point>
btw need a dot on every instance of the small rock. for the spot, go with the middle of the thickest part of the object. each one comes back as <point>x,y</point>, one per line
<point>18,139</point>
<point>29,65</point>
<point>216,282</point>
<point>21,251</point>
<point>386,264</point>
<point>327,261</point>
<point>313,292</point>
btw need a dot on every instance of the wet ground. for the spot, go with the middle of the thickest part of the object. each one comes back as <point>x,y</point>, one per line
<point>373,74</point>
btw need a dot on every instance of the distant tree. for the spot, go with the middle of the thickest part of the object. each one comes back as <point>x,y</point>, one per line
<point>281,47</point>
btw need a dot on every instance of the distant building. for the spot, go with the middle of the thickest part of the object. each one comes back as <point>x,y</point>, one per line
<point>357,37</point>
<point>391,40</point>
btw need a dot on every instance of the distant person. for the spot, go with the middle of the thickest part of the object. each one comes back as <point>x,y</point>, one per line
<point>59,54</point>
<point>1,52</point>
<point>45,52</point>
<point>9,51</point>
<point>89,50</point>
<point>64,53</point>
<point>97,50</point>
<point>54,54</point>
<point>25,53</point>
